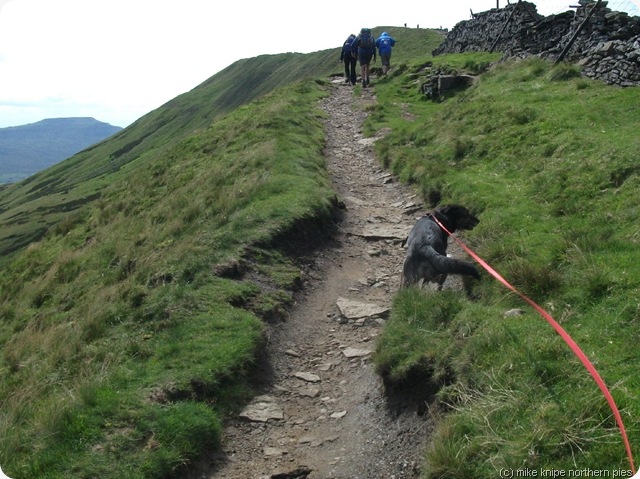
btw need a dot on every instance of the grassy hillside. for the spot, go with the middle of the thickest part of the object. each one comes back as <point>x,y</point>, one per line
<point>132,327</point>
<point>127,331</point>
<point>135,323</point>
<point>549,162</point>
<point>29,209</point>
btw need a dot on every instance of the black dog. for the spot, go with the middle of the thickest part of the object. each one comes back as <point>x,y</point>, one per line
<point>427,247</point>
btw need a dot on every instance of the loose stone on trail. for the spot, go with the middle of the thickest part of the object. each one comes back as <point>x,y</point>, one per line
<point>356,353</point>
<point>309,377</point>
<point>355,309</point>
<point>311,392</point>
<point>263,409</point>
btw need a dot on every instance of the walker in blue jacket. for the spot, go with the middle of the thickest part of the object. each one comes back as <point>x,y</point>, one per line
<point>384,44</point>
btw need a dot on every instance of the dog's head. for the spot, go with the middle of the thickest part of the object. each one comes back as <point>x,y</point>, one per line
<point>456,217</point>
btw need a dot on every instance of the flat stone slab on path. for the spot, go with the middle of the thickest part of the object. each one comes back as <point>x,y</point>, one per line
<point>355,309</point>
<point>263,409</point>
<point>356,353</point>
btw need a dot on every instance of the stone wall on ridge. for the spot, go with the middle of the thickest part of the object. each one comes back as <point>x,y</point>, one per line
<point>606,47</point>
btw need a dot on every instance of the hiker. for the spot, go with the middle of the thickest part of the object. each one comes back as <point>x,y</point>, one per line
<point>384,44</point>
<point>349,60</point>
<point>364,48</point>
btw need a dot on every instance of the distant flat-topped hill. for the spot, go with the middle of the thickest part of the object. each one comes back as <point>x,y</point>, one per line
<point>27,149</point>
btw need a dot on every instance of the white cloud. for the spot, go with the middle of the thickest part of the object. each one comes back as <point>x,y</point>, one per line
<point>119,59</point>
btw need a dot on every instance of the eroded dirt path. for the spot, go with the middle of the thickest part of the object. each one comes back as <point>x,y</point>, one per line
<point>326,416</point>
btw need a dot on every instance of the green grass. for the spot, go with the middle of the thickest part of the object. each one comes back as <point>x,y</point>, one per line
<point>129,331</point>
<point>137,275</point>
<point>547,160</point>
<point>28,209</point>
<point>132,327</point>
<point>32,207</point>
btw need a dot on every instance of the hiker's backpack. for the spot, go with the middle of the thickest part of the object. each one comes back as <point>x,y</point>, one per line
<point>366,40</point>
<point>346,48</point>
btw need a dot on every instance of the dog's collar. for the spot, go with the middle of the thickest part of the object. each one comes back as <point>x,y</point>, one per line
<point>439,222</point>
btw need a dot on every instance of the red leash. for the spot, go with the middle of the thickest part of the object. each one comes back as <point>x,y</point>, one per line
<point>563,334</point>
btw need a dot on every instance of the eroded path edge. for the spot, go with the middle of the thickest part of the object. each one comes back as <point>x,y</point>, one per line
<point>325,414</point>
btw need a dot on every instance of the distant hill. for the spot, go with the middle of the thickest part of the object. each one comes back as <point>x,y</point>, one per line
<point>27,149</point>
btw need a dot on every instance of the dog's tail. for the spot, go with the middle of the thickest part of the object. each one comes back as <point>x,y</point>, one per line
<point>447,265</point>
<point>432,266</point>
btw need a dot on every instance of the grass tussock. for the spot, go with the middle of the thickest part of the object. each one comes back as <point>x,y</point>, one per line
<point>546,161</point>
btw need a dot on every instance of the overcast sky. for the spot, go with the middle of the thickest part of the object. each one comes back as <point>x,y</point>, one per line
<point>117,60</point>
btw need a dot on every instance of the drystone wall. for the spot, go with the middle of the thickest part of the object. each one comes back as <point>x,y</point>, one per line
<point>606,47</point>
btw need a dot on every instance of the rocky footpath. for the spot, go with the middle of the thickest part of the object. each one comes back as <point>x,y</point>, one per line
<point>324,413</point>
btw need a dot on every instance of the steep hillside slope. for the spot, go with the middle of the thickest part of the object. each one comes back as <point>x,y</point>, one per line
<point>131,328</point>
<point>133,315</point>
<point>29,208</point>
<point>27,149</point>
